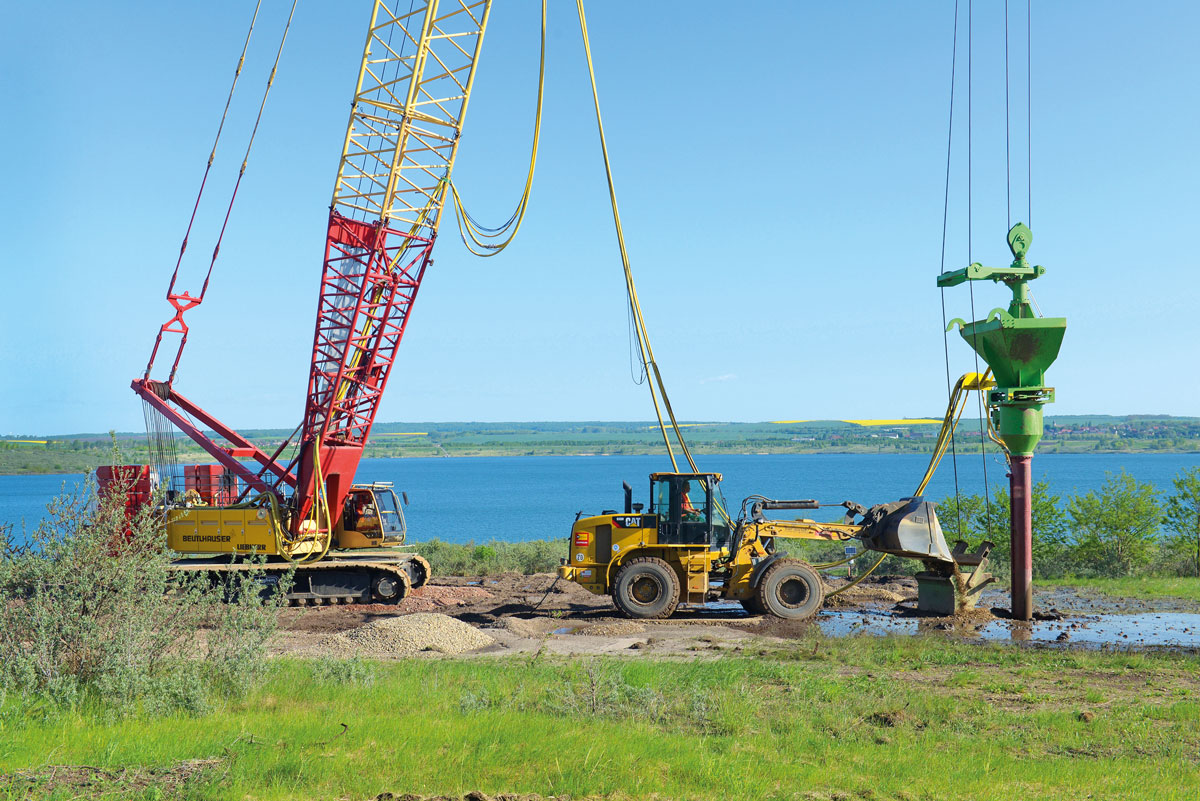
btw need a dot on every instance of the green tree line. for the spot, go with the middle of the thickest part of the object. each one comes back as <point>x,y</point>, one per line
<point>1127,528</point>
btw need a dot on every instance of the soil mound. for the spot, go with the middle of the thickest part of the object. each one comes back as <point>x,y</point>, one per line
<point>872,591</point>
<point>529,626</point>
<point>432,597</point>
<point>408,635</point>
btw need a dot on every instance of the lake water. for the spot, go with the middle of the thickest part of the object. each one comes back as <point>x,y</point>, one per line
<point>515,498</point>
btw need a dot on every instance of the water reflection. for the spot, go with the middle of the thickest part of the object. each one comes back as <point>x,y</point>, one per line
<point>1165,629</point>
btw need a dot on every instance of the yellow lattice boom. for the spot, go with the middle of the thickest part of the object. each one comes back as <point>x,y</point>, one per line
<point>409,104</point>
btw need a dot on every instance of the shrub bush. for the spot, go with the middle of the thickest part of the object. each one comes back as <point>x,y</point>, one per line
<point>90,611</point>
<point>469,559</point>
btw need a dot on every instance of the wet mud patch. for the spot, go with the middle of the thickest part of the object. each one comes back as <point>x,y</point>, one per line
<point>526,613</point>
<point>768,626</point>
<point>1173,630</point>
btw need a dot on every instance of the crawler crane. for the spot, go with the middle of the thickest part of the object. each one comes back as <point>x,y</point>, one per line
<point>406,120</point>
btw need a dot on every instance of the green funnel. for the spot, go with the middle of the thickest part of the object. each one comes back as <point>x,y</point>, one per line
<point>1018,346</point>
<point>1018,349</point>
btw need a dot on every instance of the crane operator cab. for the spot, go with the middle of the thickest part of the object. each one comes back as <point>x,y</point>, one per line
<point>371,517</point>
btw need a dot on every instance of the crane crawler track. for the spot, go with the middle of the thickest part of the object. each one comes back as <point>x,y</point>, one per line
<point>377,578</point>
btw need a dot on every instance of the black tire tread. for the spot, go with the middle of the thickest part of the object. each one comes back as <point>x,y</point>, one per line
<point>673,587</point>
<point>766,585</point>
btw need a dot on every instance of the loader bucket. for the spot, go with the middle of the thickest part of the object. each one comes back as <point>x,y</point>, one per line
<point>908,527</point>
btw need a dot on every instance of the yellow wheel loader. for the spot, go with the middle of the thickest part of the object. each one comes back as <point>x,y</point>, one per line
<point>686,549</point>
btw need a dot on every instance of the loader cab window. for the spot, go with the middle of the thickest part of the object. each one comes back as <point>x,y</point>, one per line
<point>722,524</point>
<point>693,501</point>
<point>660,498</point>
<point>684,508</point>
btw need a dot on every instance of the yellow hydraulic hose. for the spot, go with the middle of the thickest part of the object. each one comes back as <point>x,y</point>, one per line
<point>954,413</point>
<point>283,544</point>
<point>644,349</point>
<point>869,571</point>
<point>466,226</point>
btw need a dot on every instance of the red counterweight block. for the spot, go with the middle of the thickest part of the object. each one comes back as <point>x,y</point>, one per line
<point>131,480</point>
<point>215,485</point>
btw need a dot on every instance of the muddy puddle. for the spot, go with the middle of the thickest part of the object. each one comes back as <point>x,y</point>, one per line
<point>1121,631</point>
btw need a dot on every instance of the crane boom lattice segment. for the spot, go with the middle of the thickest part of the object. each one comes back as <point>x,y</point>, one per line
<point>407,115</point>
<point>409,104</point>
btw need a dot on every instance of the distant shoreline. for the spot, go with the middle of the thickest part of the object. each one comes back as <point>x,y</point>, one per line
<point>1098,434</point>
<point>202,458</point>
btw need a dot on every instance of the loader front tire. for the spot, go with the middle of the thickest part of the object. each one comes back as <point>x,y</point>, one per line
<point>791,589</point>
<point>752,605</point>
<point>646,588</point>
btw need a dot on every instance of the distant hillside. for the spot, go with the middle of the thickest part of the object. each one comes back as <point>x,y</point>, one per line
<point>75,453</point>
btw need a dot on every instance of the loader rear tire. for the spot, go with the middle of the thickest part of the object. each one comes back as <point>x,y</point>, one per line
<point>646,588</point>
<point>791,589</point>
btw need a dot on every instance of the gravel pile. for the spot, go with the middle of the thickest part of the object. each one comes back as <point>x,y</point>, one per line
<point>410,634</point>
<point>619,629</point>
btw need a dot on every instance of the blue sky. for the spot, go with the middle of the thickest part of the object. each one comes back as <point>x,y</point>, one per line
<point>780,171</point>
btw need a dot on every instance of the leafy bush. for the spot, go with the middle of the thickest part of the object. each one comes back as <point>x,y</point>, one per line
<point>90,611</point>
<point>1121,530</point>
<point>1182,519</point>
<point>536,556</point>
<point>342,672</point>
<point>1117,529</point>
<point>970,518</point>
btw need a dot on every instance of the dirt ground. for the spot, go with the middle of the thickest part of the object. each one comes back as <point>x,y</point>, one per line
<point>527,614</point>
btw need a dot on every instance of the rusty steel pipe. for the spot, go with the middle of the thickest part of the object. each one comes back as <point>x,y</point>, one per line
<point>1020,487</point>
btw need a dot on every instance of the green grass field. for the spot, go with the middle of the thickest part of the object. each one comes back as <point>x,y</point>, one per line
<point>870,718</point>
<point>1135,587</point>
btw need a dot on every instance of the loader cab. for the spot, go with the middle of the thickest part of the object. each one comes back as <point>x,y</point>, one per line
<point>373,513</point>
<point>690,509</point>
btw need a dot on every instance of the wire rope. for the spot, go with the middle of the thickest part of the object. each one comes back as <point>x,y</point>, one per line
<point>196,301</point>
<point>212,156</point>
<point>249,145</point>
<point>1007,127</point>
<point>942,290</point>
<point>970,252</point>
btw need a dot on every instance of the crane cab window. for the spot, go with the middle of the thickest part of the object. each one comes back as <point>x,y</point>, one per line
<point>375,513</point>
<point>391,519</point>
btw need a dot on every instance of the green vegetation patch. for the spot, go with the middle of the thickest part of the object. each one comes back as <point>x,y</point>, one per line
<point>492,558</point>
<point>881,718</point>
<point>1138,586</point>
